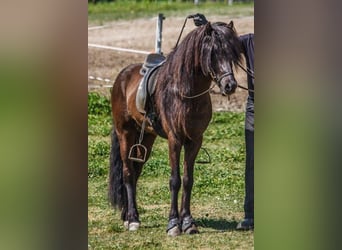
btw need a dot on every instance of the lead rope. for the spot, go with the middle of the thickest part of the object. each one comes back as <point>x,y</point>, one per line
<point>249,72</point>
<point>242,87</point>
<point>204,92</point>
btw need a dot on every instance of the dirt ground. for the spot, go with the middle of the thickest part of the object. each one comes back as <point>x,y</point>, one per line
<point>139,34</point>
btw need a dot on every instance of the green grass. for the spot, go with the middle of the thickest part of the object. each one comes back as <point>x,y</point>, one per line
<point>111,11</point>
<point>217,198</point>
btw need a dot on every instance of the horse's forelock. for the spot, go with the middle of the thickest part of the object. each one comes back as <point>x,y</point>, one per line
<point>222,40</point>
<point>227,38</point>
<point>205,54</point>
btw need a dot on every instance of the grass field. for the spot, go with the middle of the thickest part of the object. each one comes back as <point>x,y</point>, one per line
<point>217,199</point>
<point>105,12</point>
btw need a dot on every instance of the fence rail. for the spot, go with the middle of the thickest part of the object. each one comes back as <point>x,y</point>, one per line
<point>158,42</point>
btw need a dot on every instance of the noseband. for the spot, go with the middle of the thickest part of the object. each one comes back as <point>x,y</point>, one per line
<point>219,79</point>
<point>216,79</point>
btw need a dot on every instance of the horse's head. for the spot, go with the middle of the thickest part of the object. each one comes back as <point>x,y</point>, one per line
<point>221,49</point>
<point>224,78</point>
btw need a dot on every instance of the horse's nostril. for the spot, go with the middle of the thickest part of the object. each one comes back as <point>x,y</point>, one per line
<point>231,87</point>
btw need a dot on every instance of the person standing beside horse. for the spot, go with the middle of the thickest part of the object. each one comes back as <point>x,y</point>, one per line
<point>247,42</point>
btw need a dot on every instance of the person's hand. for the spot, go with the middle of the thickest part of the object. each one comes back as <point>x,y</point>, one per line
<point>199,19</point>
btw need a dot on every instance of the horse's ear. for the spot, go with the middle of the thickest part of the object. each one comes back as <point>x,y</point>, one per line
<point>231,25</point>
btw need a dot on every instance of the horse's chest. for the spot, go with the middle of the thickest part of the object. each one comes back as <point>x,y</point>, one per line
<point>198,121</point>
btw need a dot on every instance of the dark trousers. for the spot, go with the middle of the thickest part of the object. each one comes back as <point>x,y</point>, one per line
<point>249,170</point>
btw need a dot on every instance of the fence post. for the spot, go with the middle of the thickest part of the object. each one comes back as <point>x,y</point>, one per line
<point>159,30</point>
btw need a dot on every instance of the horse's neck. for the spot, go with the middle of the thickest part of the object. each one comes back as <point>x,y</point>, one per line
<point>202,83</point>
<point>198,83</point>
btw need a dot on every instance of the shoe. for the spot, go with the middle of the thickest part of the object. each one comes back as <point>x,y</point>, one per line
<point>246,224</point>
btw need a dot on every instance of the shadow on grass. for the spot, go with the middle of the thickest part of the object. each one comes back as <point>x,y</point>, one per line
<point>217,224</point>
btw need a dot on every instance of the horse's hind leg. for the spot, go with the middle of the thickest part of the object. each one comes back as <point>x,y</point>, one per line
<point>191,149</point>
<point>147,141</point>
<point>131,173</point>
<point>130,213</point>
<point>117,191</point>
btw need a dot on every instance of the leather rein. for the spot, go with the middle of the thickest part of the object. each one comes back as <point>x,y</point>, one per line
<point>219,79</point>
<point>216,79</point>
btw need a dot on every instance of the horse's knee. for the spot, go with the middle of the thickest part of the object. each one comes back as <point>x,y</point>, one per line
<point>188,181</point>
<point>175,183</point>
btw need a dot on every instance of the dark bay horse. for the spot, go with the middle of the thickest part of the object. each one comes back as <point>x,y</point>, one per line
<point>182,107</point>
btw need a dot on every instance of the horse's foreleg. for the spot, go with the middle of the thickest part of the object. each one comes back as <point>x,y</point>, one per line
<point>191,149</point>
<point>173,228</point>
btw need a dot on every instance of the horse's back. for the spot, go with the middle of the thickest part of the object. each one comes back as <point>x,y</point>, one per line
<point>125,78</point>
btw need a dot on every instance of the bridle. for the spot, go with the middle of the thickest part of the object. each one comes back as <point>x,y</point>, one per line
<point>219,79</point>
<point>216,79</point>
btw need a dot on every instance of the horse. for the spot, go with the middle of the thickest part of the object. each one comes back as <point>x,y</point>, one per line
<point>182,111</point>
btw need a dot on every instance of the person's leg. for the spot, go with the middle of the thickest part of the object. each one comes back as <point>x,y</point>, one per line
<point>248,222</point>
<point>249,176</point>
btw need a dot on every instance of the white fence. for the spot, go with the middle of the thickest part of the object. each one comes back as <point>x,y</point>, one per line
<point>158,44</point>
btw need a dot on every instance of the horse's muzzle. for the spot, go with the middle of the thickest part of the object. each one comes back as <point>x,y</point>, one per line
<point>229,87</point>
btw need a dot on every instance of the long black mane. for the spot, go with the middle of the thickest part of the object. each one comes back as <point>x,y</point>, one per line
<point>192,60</point>
<point>196,52</point>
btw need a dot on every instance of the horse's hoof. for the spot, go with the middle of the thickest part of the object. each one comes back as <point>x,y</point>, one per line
<point>175,231</point>
<point>133,226</point>
<point>189,225</point>
<point>173,228</point>
<point>191,230</point>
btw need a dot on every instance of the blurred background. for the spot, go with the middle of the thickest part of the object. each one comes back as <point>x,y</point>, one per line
<point>43,125</point>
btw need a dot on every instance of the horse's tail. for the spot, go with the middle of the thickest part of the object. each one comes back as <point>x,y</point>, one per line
<point>117,192</point>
